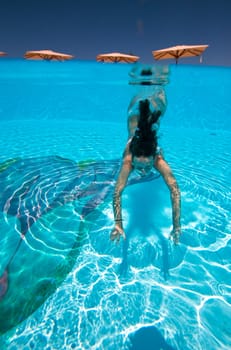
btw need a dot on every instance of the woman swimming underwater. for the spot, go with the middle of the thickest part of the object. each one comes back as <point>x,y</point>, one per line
<point>142,154</point>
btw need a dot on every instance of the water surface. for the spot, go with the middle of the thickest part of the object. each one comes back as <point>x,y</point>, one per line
<point>145,288</point>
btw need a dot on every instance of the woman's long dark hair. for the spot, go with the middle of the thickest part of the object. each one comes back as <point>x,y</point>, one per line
<point>144,142</point>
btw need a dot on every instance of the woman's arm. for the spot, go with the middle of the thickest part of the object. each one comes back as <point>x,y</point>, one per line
<point>165,170</point>
<point>119,187</point>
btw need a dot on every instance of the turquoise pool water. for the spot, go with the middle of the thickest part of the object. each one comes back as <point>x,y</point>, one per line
<point>58,116</point>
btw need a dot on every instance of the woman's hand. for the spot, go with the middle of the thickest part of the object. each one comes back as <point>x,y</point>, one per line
<point>175,235</point>
<point>116,233</point>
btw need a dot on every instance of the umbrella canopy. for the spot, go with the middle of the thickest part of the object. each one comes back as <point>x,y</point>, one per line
<point>47,55</point>
<point>2,53</point>
<point>179,51</point>
<point>117,57</point>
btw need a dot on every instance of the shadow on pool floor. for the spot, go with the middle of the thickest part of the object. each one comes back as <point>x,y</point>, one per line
<point>148,338</point>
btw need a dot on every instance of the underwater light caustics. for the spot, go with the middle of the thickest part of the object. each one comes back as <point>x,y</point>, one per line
<point>35,207</point>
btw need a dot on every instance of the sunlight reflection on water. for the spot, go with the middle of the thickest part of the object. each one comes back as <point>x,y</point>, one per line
<point>113,291</point>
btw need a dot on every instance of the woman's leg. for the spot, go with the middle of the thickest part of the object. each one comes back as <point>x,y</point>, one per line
<point>158,100</point>
<point>132,125</point>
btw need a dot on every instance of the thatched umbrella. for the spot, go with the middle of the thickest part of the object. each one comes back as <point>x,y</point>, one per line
<point>179,51</point>
<point>115,57</point>
<point>48,55</point>
<point>2,54</point>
